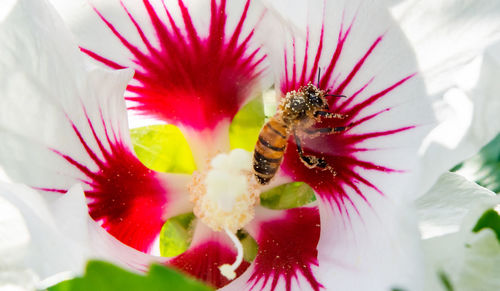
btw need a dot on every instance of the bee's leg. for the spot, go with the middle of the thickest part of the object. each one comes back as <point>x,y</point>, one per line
<point>309,161</point>
<point>334,95</point>
<point>327,114</point>
<point>326,130</point>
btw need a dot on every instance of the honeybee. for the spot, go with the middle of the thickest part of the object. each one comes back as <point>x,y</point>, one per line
<point>298,111</point>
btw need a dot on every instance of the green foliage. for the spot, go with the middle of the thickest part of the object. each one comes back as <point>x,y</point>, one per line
<point>489,219</point>
<point>250,246</point>
<point>176,235</point>
<point>443,278</point>
<point>287,196</point>
<point>246,125</point>
<point>103,276</point>
<point>163,148</point>
<point>484,168</point>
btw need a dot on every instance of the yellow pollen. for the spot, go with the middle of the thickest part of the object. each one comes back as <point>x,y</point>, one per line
<point>225,194</point>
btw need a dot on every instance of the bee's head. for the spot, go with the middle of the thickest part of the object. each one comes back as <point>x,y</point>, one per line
<point>315,98</point>
<point>302,104</point>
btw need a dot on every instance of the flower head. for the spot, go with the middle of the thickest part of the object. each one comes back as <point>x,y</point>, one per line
<point>196,70</point>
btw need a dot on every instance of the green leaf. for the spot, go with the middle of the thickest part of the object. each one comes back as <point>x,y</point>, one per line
<point>246,125</point>
<point>484,168</point>
<point>287,196</point>
<point>489,219</point>
<point>163,148</point>
<point>104,276</point>
<point>176,235</point>
<point>445,280</point>
<point>250,246</point>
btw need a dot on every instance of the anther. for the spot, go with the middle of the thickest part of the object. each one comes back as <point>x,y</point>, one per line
<point>227,270</point>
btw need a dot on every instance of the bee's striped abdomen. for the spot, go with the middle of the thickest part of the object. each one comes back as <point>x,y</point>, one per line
<point>269,150</point>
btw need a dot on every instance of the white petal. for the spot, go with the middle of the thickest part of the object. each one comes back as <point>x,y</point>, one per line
<point>481,263</point>
<point>106,246</point>
<point>484,95</point>
<point>5,8</point>
<point>51,250</point>
<point>62,236</point>
<point>14,236</point>
<point>447,35</point>
<point>44,89</point>
<point>447,215</point>
<point>442,209</point>
<point>468,121</point>
<point>377,249</point>
<point>450,39</point>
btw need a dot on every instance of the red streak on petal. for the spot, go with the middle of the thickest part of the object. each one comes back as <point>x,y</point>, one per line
<point>367,118</point>
<point>316,59</point>
<point>287,249</point>
<point>124,195</point>
<point>339,150</point>
<point>203,262</point>
<point>128,199</point>
<point>137,27</point>
<point>51,190</point>
<point>103,60</point>
<point>357,67</point>
<point>356,109</point>
<point>186,78</point>
<point>336,55</point>
<point>288,84</point>
<point>304,66</point>
<point>357,138</point>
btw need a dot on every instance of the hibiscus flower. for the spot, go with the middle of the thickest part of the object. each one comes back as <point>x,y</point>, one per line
<point>63,123</point>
